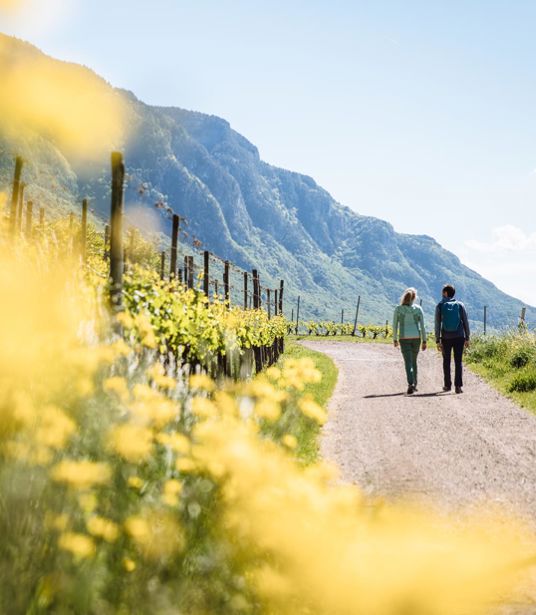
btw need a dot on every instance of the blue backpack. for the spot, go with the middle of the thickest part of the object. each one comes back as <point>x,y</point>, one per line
<point>450,316</point>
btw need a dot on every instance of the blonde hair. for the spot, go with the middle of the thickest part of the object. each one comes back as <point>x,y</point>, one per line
<point>408,296</point>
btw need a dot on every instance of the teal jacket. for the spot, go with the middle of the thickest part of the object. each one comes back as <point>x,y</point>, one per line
<point>408,323</point>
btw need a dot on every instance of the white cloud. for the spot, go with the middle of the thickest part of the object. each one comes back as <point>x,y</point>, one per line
<point>508,238</point>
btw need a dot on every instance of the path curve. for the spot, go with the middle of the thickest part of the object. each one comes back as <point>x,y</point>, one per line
<point>446,449</point>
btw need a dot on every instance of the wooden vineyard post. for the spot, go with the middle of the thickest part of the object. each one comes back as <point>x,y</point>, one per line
<point>356,315</point>
<point>281,287</point>
<point>180,275</point>
<point>185,270</point>
<point>106,242</point>
<point>29,219</point>
<point>174,243</point>
<point>522,315</point>
<point>420,302</point>
<point>162,264</point>
<point>269,302</point>
<point>15,195</point>
<point>83,232</point>
<point>256,290</point>
<point>215,288</point>
<point>116,232</point>
<point>226,285</point>
<point>298,315</point>
<point>485,318</point>
<point>21,206</point>
<point>206,272</point>
<point>276,302</point>
<point>342,316</point>
<point>190,271</point>
<point>386,328</point>
<point>245,290</point>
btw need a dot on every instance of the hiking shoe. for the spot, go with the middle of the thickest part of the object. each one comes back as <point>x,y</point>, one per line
<point>459,390</point>
<point>411,389</point>
<point>415,388</point>
<point>447,389</point>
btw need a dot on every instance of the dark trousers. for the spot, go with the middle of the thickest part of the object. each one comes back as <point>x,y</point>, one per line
<point>455,344</point>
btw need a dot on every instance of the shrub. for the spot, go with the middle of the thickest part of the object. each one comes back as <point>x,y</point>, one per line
<point>523,382</point>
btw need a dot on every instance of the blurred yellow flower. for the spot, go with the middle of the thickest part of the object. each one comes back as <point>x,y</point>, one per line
<point>290,441</point>
<point>185,465</point>
<point>202,382</point>
<point>128,564</point>
<point>268,410</point>
<point>79,545</point>
<point>312,410</point>
<point>132,442</point>
<point>203,407</point>
<point>81,474</point>
<point>103,528</point>
<point>118,386</point>
<point>55,427</point>
<point>135,482</point>
<point>177,442</point>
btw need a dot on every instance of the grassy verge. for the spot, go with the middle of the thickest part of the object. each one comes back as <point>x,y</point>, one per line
<point>507,362</point>
<point>307,433</point>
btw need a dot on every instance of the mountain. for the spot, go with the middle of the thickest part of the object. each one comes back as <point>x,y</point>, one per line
<point>245,210</point>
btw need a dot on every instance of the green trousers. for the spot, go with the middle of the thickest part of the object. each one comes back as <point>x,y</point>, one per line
<point>410,351</point>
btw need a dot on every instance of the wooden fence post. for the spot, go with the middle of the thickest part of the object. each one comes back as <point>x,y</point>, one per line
<point>485,318</point>
<point>281,288</point>
<point>245,290</point>
<point>342,316</point>
<point>292,316</point>
<point>29,214</point>
<point>83,232</point>
<point>162,264</point>
<point>206,272</point>
<point>256,290</point>
<point>276,302</point>
<point>185,270</point>
<point>15,195</point>
<point>269,302</point>
<point>216,288</point>
<point>356,315</point>
<point>522,317</point>
<point>21,206</point>
<point>226,285</point>
<point>298,315</point>
<point>190,271</point>
<point>174,243</point>
<point>106,242</point>
<point>116,231</point>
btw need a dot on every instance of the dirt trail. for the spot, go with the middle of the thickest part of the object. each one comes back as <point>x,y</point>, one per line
<point>450,450</point>
<point>445,450</point>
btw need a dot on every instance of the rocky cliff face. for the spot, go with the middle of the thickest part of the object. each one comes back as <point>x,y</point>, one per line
<point>254,214</point>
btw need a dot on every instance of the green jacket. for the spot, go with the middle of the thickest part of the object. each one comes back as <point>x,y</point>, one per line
<point>408,323</point>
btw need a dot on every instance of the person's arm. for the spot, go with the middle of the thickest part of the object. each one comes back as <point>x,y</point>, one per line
<point>422,327</point>
<point>465,322</point>
<point>438,324</point>
<point>395,327</point>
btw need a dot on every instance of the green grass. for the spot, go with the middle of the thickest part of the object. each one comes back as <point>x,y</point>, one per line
<point>308,433</point>
<point>508,363</point>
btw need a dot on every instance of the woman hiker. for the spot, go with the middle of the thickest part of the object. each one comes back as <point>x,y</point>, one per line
<point>408,327</point>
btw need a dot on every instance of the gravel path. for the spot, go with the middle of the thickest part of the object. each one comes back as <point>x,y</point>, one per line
<point>447,450</point>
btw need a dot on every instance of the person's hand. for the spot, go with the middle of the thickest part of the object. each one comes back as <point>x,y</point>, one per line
<point>424,346</point>
<point>396,343</point>
<point>439,347</point>
<point>466,344</point>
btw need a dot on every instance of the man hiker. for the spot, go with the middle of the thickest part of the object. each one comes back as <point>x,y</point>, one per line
<point>452,334</point>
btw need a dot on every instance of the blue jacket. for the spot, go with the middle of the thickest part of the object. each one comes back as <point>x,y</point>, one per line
<point>463,328</point>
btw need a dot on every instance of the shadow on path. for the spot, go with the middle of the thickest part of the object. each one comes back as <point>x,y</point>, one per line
<point>437,394</point>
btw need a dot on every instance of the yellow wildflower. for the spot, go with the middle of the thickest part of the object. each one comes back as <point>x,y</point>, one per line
<point>81,474</point>
<point>177,442</point>
<point>185,465</point>
<point>172,489</point>
<point>135,482</point>
<point>103,528</point>
<point>290,441</point>
<point>118,386</point>
<point>312,410</point>
<point>55,427</point>
<point>128,564</point>
<point>132,442</point>
<point>79,545</point>
<point>268,409</point>
<point>202,382</point>
<point>88,501</point>
<point>203,407</point>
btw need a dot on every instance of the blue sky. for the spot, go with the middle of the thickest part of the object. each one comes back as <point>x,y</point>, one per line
<point>419,112</point>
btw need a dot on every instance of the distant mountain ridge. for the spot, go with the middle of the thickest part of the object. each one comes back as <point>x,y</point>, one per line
<point>256,215</point>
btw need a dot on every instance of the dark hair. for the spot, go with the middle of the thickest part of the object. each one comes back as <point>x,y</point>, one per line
<point>449,290</point>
